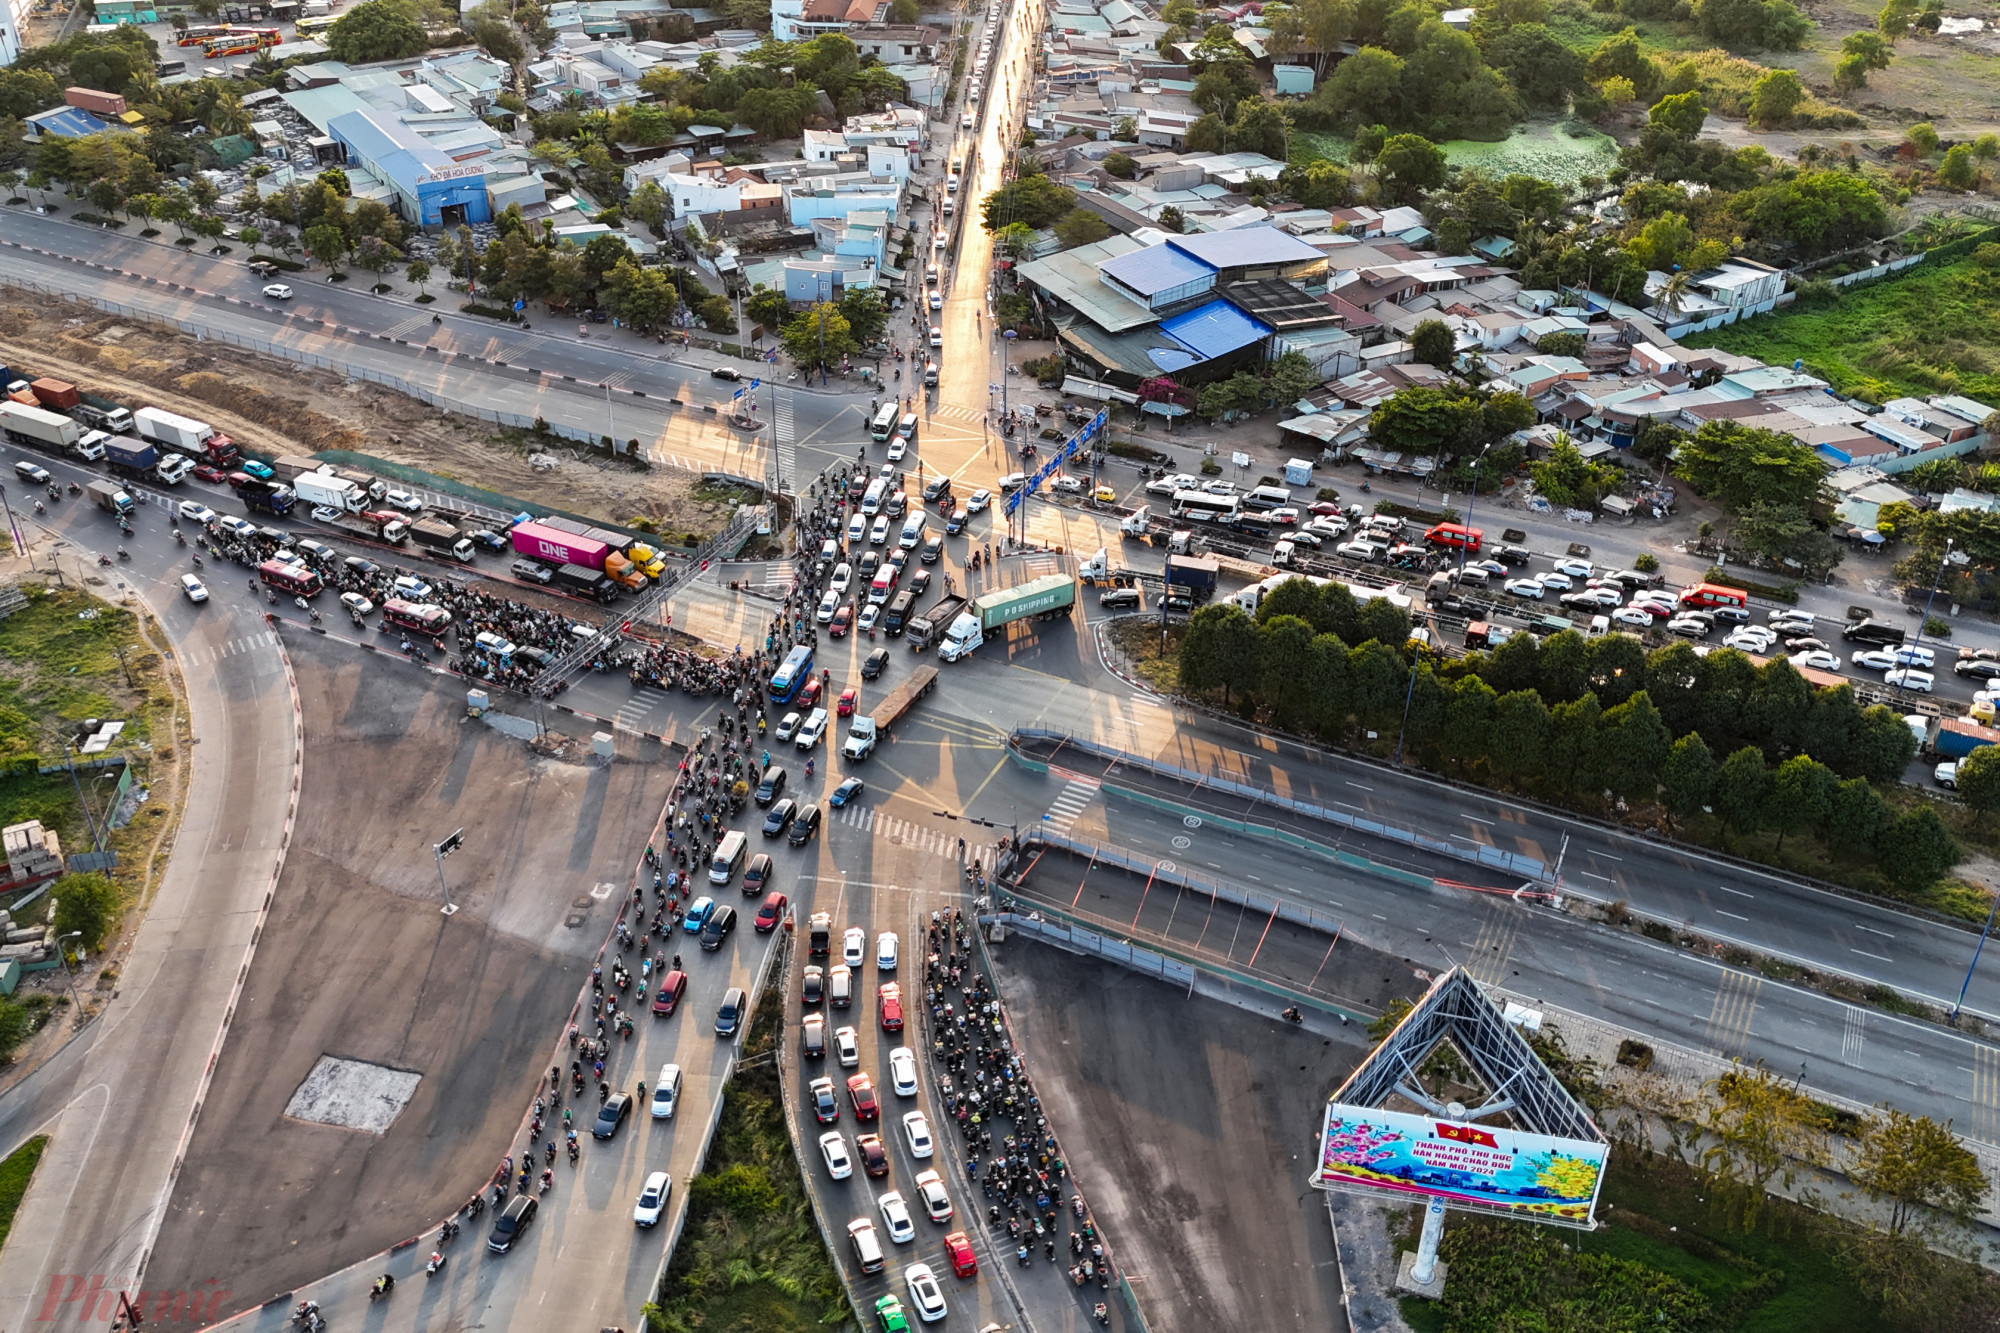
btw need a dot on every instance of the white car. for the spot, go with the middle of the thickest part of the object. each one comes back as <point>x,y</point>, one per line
<point>885,951</point>
<point>1067,484</point>
<point>1556,579</point>
<point>1788,613</point>
<point>1013,481</point>
<point>879,534</point>
<point>917,1130</point>
<point>1912,655</point>
<point>411,588</point>
<point>195,512</point>
<point>667,1093</point>
<point>1875,659</point>
<point>869,615</point>
<point>896,1215</point>
<point>1692,626</point>
<point>356,604</point>
<point>853,946</point>
<point>930,1188</point>
<point>857,528</point>
<point>937,300</point>
<point>978,501</point>
<point>842,576</point>
<point>1362,549</point>
<point>788,727</point>
<point>897,448</point>
<point>278,291</point>
<point>653,1199</point>
<point>834,1149</point>
<point>903,1071</point>
<point>925,1293</point>
<point>1632,618</point>
<point>1909,678</point>
<point>404,501</point>
<point>194,588</point>
<point>937,336</point>
<point>1819,659</point>
<point>1575,568</point>
<point>1332,529</point>
<point>847,1047</point>
<point>811,730</point>
<point>1219,487</point>
<point>1531,589</point>
<point>1748,643</point>
<point>827,606</point>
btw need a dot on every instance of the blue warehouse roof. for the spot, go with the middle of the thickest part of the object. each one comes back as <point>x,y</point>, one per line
<point>391,148</point>
<point>1214,330</point>
<point>1244,246</point>
<point>1155,269</point>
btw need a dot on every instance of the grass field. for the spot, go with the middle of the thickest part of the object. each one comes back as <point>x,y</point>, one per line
<point>15,1173</point>
<point>1931,329</point>
<point>1559,152</point>
<point>750,1258</point>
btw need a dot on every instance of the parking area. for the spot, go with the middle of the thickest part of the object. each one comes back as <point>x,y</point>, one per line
<point>1189,1125</point>
<point>454,1013</point>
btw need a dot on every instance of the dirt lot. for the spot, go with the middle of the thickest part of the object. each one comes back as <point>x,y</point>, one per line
<point>358,963</point>
<point>277,407</point>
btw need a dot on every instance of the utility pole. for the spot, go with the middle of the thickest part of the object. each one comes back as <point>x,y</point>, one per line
<point>440,851</point>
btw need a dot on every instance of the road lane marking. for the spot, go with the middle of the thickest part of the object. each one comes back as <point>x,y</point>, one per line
<point>1362,786</point>
<point>1735,1007</point>
<point>1876,956</point>
<point>1477,820</point>
<point>1872,931</point>
<point>1594,875</point>
<point>1731,915</point>
<point>1738,892</point>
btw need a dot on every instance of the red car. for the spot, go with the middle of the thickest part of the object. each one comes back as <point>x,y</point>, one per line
<point>874,1157</point>
<point>889,997</point>
<point>861,1092</point>
<point>1326,509</point>
<point>848,698</point>
<point>771,913</point>
<point>672,987</point>
<point>809,695</point>
<point>959,1250</point>
<point>209,472</point>
<point>843,619</point>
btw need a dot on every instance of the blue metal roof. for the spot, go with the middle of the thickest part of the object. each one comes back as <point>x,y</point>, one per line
<point>1216,329</point>
<point>1155,269</point>
<point>389,147</point>
<point>69,122</point>
<point>1242,246</point>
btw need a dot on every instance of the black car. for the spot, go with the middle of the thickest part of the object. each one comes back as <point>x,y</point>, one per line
<point>933,548</point>
<point>780,817</point>
<point>1978,668</point>
<point>730,1016</point>
<point>756,874</point>
<point>919,584</point>
<point>773,783</point>
<point>870,562</point>
<point>936,487</point>
<point>812,988</point>
<point>513,1220</point>
<point>725,373</point>
<point>720,922</point>
<point>361,565</point>
<point>875,661</point>
<point>492,541</point>
<point>804,825</point>
<point>1512,555</point>
<point>611,1115</point>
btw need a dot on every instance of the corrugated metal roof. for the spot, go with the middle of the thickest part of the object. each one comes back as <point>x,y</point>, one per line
<point>1215,329</point>
<point>1155,269</point>
<point>1243,246</point>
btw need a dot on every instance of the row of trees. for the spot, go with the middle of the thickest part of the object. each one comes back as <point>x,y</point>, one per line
<point>826,331</point>
<point>1589,722</point>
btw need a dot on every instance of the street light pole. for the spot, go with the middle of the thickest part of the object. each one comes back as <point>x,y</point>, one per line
<point>1462,546</point>
<point>439,851</point>
<point>1918,642</point>
<point>69,972</point>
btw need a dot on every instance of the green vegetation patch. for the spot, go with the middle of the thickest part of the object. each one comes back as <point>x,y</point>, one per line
<point>1563,153</point>
<point>1931,329</point>
<point>15,1173</point>
<point>750,1258</point>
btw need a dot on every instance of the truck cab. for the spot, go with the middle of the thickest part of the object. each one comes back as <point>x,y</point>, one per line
<point>173,468</point>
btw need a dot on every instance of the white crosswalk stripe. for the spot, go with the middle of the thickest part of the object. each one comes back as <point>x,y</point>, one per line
<point>1069,803</point>
<point>1041,562</point>
<point>784,434</point>
<point>907,833</point>
<point>631,713</point>
<point>234,648</point>
<point>405,328</point>
<point>954,412</point>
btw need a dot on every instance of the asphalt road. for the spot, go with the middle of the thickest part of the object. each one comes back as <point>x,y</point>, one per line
<point>118,1100</point>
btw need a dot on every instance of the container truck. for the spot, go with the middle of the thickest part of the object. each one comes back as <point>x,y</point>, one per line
<point>56,395</point>
<point>623,572</point>
<point>929,626</point>
<point>553,546</point>
<point>867,731</point>
<point>442,538</point>
<point>290,467</point>
<point>130,457</point>
<point>91,446</point>
<point>185,435</point>
<point>269,497</point>
<point>1196,573</point>
<point>34,425</point>
<point>103,414</point>
<point>584,579</point>
<point>374,524</point>
<point>372,487</point>
<point>1957,737</point>
<point>1049,597</point>
<point>108,496</point>
<point>322,491</point>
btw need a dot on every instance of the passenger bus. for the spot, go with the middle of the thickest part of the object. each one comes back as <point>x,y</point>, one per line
<point>884,424</point>
<point>242,42</point>
<point>417,617</point>
<point>294,579</point>
<point>315,24</point>
<point>202,36</point>
<point>793,672</point>
<point>1201,507</point>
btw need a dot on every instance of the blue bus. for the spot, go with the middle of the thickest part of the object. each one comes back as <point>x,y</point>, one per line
<point>795,671</point>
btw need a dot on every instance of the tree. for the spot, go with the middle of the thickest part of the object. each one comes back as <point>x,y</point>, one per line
<point>643,297</point>
<point>1915,1164</point>
<point>326,244</point>
<point>1424,420</point>
<point>1220,650</point>
<point>1915,849</point>
<point>1739,465</point>
<point>905,11</point>
<point>496,35</point>
<point>1776,94</point>
<point>86,902</point>
<point>1680,115</point>
<point>1979,780</point>
<point>1740,787</point>
<point>377,30</point>
<point>1755,25</point>
<point>1620,56</point>
<point>1543,70</point>
<point>1080,226</point>
<point>819,336</point>
<point>1800,796</point>
<point>1860,52</point>
<point>1434,343</point>
<point>1171,220</point>
<point>1762,1130</point>
<point>1293,377</point>
<point>1894,20</point>
<point>1959,170</point>
<point>1035,201</point>
<point>418,272</point>
<point>1662,241</point>
<point>1367,83</point>
<point>1687,780</point>
<point>1121,166</point>
<point>1407,165</point>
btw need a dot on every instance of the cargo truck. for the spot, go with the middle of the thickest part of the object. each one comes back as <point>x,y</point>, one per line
<point>623,572</point>
<point>372,487</point>
<point>1196,573</point>
<point>867,731</point>
<point>290,467</point>
<point>584,579</point>
<point>374,523</point>
<point>108,496</point>
<point>91,446</point>
<point>34,425</point>
<point>1957,737</point>
<point>929,626</point>
<point>1049,597</point>
<point>268,497</point>
<point>442,538</point>
<point>322,491</point>
<point>185,435</point>
<point>103,414</point>
<point>130,457</point>
<point>553,546</point>
<point>56,395</point>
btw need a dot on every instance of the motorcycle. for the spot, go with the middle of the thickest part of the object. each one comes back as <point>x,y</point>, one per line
<point>437,1262</point>
<point>383,1286</point>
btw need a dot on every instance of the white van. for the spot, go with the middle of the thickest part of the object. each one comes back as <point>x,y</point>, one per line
<point>728,857</point>
<point>667,1093</point>
<point>871,499</point>
<point>913,530</point>
<point>867,1248</point>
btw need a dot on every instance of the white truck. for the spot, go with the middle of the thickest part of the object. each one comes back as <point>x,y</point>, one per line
<point>865,732</point>
<point>321,489</point>
<point>1049,597</point>
<point>1137,523</point>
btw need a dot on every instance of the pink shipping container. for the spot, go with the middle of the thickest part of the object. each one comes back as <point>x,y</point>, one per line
<point>558,548</point>
<point>104,104</point>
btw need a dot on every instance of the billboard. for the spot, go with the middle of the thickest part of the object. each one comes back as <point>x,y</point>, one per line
<point>1534,1177</point>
